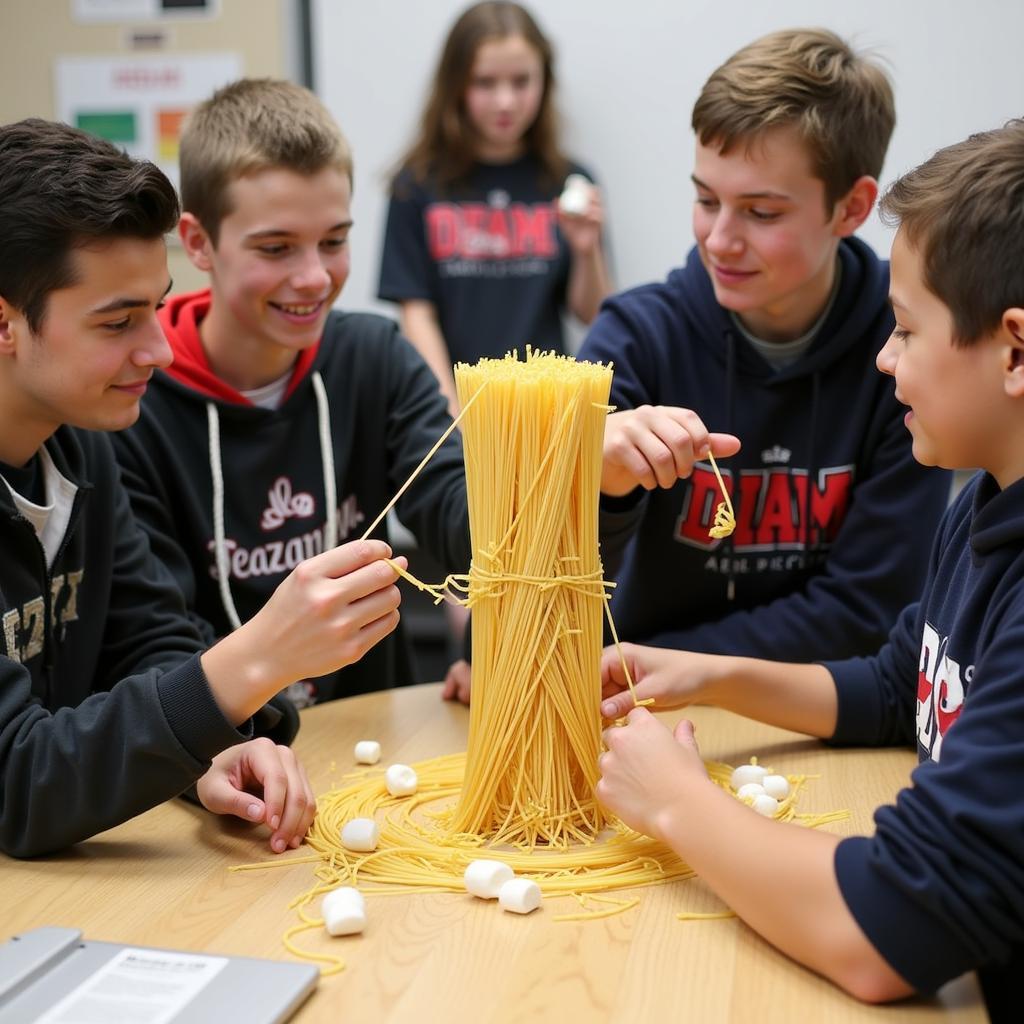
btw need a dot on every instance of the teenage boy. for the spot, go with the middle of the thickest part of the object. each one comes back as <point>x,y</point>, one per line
<point>939,889</point>
<point>108,702</point>
<point>281,428</point>
<point>769,332</point>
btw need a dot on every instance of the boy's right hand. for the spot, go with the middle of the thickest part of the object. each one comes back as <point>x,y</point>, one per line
<point>654,446</point>
<point>326,614</point>
<point>673,678</point>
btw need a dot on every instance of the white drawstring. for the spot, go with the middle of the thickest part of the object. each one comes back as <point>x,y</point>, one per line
<point>217,475</point>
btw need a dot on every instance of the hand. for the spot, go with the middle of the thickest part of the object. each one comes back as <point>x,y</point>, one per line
<point>582,231</point>
<point>457,682</point>
<point>645,771</point>
<point>326,614</point>
<point>674,679</point>
<point>261,782</point>
<point>656,445</point>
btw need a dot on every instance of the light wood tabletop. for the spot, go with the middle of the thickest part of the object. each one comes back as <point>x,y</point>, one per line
<point>163,880</point>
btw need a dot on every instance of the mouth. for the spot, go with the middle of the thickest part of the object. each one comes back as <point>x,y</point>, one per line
<point>299,312</point>
<point>137,387</point>
<point>730,275</point>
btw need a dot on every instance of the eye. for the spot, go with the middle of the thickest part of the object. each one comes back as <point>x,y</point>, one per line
<point>334,243</point>
<point>116,326</point>
<point>765,215</point>
<point>275,249</point>
<point>900,333</point>
<point>708,204</point>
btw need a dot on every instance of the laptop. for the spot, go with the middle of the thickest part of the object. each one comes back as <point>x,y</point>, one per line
<point>55,976</point>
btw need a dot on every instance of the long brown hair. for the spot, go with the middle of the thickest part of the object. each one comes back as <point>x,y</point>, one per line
<point>445,147</point>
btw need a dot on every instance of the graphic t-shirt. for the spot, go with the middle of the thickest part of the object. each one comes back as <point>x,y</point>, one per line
<point>487,253</point>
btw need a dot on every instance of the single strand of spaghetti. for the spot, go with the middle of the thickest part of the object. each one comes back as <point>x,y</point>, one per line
<point>416,472</point>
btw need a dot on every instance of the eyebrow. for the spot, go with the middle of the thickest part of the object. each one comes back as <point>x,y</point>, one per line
<point>894,302</point>
<point>281,232</point>
<point>124,303</point>
<point>768,194</point>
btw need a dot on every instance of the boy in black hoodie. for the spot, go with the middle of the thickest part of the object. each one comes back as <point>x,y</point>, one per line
<point>769,332</point>
<point>108,702</point>
<point>282,427</point>
<point>939,888</point>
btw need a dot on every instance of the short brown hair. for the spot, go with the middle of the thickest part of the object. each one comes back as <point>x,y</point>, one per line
<point>62,189</point>
<point>963,211</point>
<point>252,125</point>
<point>840,103</point>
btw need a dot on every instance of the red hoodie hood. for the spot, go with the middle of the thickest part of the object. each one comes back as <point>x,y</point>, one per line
<point>180,318</point>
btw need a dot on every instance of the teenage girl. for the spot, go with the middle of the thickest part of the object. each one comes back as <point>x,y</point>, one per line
<point>478,252</point>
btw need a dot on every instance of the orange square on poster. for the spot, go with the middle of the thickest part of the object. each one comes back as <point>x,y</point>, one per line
<point>168,132</point>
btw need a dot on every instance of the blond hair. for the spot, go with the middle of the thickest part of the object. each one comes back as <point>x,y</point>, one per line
<point>252,125</point>
<point>963,211</point>
<point>840,104</point>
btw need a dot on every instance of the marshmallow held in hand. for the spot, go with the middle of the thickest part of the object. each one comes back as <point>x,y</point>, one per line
<point>575,197</point>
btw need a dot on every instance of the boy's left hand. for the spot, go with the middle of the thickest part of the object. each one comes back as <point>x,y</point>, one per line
<point>646,769</point>
<point>261,781</point>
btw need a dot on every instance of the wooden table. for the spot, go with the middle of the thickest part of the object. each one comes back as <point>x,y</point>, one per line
<point>162,880</point>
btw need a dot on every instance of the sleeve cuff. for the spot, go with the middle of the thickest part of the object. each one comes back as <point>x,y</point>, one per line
<point>859,709</point>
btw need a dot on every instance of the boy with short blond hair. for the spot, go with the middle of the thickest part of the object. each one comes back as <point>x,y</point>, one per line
<point>109,701</point>
<point>282,427</point>
<point>939,889</point>
<point>769,332</point>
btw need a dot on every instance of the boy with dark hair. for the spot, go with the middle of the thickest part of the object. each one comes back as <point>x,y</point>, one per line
<point>108,702</point>
<point>281,427</point>
<point>939,889</point>
<point>768,332</point>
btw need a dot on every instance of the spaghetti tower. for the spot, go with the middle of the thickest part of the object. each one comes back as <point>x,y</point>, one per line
<point>533,448</point>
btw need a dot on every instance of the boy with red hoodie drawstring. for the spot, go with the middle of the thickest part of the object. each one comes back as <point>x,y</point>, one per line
<point>281,428</point>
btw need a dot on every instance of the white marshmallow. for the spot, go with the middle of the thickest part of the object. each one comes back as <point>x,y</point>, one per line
<point>360,835</point>
<point>484,878</point>
<point>575,197</point>
<point>367,752</point>
<point>344,911</point>
<point>776,786</point>
<point>750,789</point>
<point>766,805</point>
<point>519,896</point>
<point>747,773</point>
<point>401,780</point>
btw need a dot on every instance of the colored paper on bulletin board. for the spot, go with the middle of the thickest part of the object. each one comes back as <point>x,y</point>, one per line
<point>140,102</point>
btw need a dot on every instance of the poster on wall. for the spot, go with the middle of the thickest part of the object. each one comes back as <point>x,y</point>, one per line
<point>139,103</point>
<point>140,10</point>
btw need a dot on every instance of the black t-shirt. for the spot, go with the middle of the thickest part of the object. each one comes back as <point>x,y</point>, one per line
<point>487,253</point>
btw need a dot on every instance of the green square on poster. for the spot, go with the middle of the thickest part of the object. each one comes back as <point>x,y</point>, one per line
<point>112,125</point>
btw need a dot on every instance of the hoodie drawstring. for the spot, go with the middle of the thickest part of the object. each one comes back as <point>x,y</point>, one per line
<point>217,475</point>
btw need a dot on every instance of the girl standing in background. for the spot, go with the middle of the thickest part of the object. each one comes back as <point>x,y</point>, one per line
<point>478,253</point>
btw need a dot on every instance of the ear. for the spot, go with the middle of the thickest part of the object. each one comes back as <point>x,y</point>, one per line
<point>853,209</point>
<point>1012,328</point>
<point>10,321</point>
<point>196,242</point>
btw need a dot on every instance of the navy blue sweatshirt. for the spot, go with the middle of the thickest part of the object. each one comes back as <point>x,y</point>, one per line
<point>814,571</point>
<point>104,707</point>
<point>939,889</point>
<point>381,412</point>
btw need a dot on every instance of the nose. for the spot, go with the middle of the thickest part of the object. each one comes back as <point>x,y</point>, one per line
<point>505,96</point>
<point>888,356</point>
<point>154,349</point>
<point>311,275</point>
<point>723,237</point>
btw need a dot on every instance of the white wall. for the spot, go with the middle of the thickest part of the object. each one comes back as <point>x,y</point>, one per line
<point>628,79</point>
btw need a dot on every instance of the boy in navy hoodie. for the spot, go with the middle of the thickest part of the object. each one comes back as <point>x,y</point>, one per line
<point>109,703</point>
<point>939,889</point>
<point>281,428</point>
<point>769,332</point>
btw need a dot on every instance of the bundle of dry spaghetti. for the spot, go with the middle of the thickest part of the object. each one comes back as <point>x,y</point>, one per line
<point>533,447</point>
